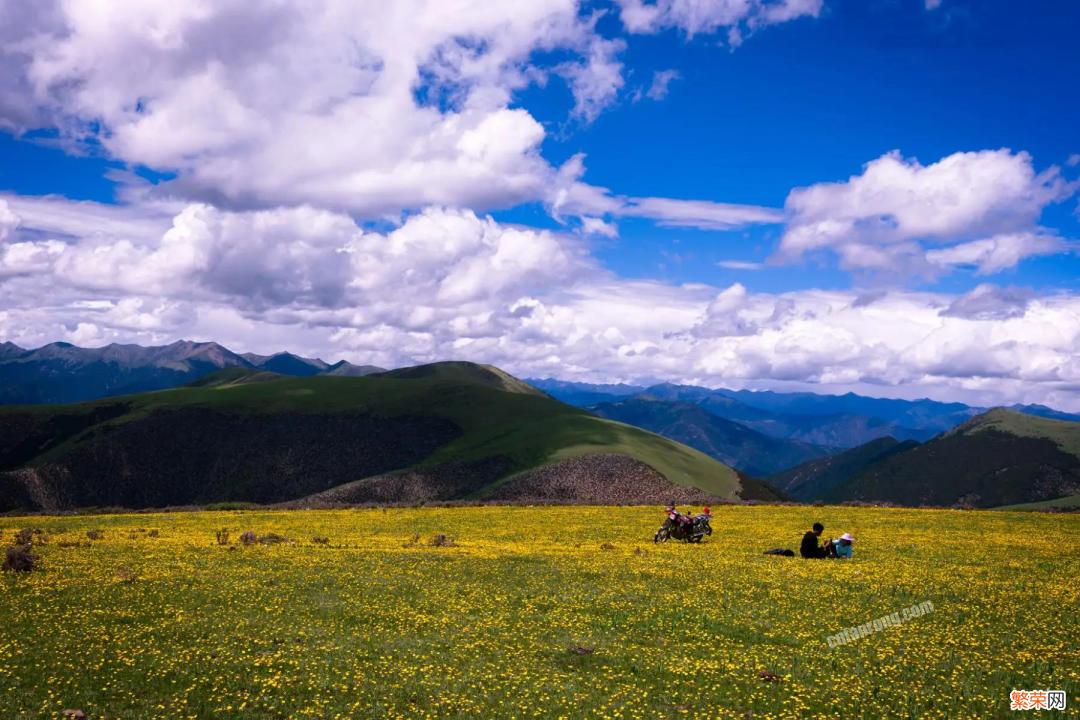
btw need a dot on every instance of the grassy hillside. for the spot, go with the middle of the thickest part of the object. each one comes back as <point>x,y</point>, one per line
<point>998,458</point>
<point>1064,434</point>
<point>729,442</point>
<point>240,435</point>
<point>813,479</point>
<point>456,371</point>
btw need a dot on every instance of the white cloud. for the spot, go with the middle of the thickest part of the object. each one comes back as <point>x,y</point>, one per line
<point>658,89</point>
<point>696,17</point>
<point>990,302</point>
<point>9,221</point>
<point>363,107</point>
<point>699,213</point>
<point>58,215</point>
<point>983,205</point>
<point>568,195</point>
<point>451,284</point>
<point>997,253</point>
<point>368,107</point>
<point>933,4</point>
<point>740,265</point>
<point>596,82</point>
<point>596,226</point>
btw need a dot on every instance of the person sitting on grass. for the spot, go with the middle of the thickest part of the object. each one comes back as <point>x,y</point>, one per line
<point>841,548</point>
<point>809,547</point>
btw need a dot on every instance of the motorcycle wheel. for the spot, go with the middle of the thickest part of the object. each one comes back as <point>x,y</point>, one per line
<point>661,536</point>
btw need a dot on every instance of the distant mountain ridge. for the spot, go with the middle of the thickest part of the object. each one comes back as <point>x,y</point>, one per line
<point>844,421</point>
<point>62,373</point>
<point>838,429</point>
<point>732,443</point>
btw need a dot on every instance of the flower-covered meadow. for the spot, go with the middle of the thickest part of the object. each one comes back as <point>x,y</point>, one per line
<point>549,612</point>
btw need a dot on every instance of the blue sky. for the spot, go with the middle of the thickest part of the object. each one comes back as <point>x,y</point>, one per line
<point>398,184</point>
<point>813,101</point>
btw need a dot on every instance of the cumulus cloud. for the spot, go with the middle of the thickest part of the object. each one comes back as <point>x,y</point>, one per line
<point>314,263</point>
<point>454,284</point>
<point>9,221</point>
<point>367,107</point>
<point>722,317</point>
<point>975,208</point>
<point>990,302</point>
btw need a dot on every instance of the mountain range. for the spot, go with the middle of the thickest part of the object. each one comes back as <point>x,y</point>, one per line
<point>998,458</point>
<point>448,431</point>
<point>195,422</point>
<point>840,421</point>
<point>63,373</point>
<point>730,442</point>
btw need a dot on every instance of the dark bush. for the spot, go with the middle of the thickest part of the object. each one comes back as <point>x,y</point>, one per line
<point>24,536</point>
<point>272,539</point>
<point>19,559</point>
<point>152,533</point>
<point>249,538</point>
<point>320,540</point>
<point>94,534</point>
<point>222,536</point>
<point>441,540</point>
<point>232,506</point>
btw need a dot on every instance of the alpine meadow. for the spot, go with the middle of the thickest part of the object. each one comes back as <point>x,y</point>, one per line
<point>548,612</point>
<point>554,359</point>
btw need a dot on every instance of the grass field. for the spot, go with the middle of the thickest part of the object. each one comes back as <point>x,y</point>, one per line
<point>1070,502</point>
<point>371,624</point>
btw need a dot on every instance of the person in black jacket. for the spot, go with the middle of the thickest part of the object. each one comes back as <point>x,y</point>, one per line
<point>809,547</point>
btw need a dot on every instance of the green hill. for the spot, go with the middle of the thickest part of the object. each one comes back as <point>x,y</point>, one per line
<point>466,372</point>
<point>453,430</point>
<point>813,479</point>
<point>729,442</point>
<point>234,376</point>
<point>998,458</point>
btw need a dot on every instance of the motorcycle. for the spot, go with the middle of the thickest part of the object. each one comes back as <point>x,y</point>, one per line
<point>678,526</point>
